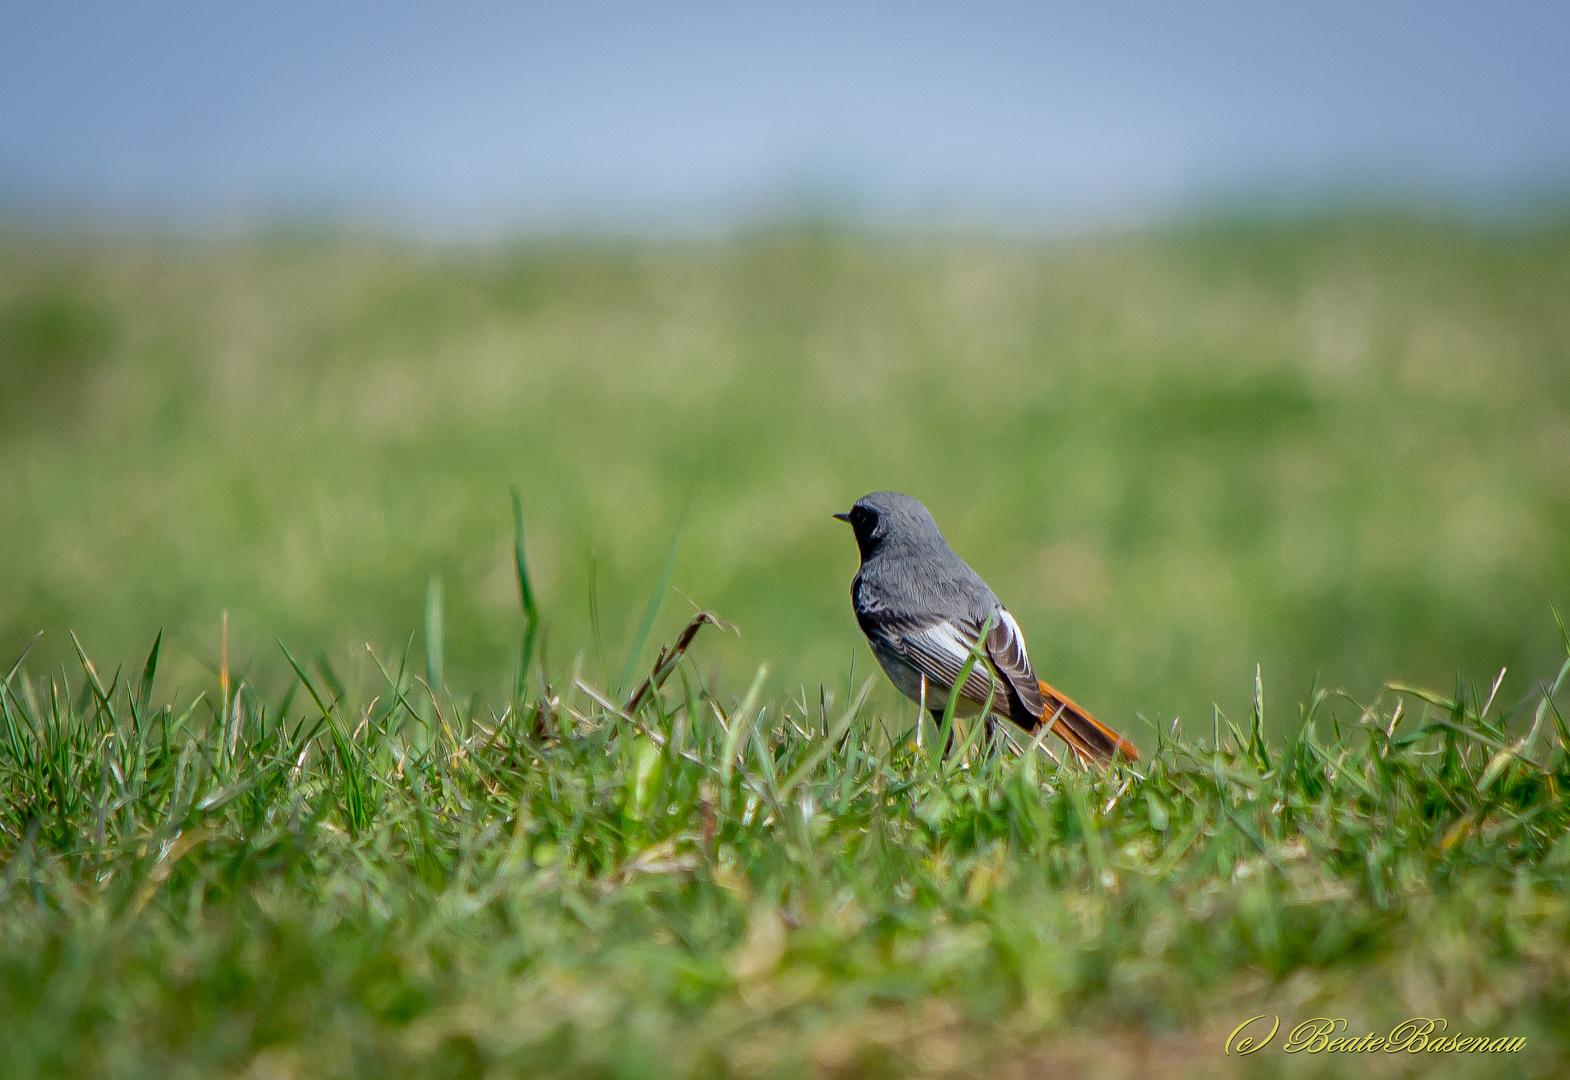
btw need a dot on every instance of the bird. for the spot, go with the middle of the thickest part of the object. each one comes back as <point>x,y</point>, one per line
<point>924,611</point>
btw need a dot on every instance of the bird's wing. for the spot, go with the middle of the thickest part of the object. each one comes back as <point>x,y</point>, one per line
<point>940,647</point>
<point>1006,649</point>
<point>1027,700</point>
<point>1089,738</point>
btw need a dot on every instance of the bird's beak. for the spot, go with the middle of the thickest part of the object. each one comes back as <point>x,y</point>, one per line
<point>843,517</point>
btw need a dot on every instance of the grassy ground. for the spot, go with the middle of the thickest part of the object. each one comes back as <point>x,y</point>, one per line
<point>399,886</point>
<point>1338,446</point>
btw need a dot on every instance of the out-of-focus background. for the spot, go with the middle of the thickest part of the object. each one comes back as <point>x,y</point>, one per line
<point>1212,335</point>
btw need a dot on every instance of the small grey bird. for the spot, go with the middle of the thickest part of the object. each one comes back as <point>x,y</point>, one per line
<point>923,609</point>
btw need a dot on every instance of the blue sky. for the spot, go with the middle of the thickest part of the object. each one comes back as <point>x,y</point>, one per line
<point>494,113</point>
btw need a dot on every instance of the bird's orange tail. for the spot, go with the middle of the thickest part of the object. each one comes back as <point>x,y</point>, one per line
<point>1088,737</point>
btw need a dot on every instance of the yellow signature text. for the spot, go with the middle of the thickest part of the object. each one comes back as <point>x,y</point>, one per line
<point>1332,1035</point>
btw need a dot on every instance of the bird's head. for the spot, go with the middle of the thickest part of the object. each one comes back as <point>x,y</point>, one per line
<point>884,514</point>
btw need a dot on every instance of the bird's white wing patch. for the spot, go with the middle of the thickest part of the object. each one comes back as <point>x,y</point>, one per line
<point>946,639</point>
<point>940,649</point>
<point>1015,633</point>
<point>1008,620</point>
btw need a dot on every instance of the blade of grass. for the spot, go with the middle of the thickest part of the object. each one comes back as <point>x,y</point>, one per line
<point>17,666</point>
<point>739,723</point>
<point>976,729</point>
<point>1478,736</point>
<point>223,663</point>
<point>324,668</point>
<point>1185,840</point>
<point>594,616</point>
<point>830,740</point>
<point>946,728</point>
<point>652,611</point>
<point>92,676</point>
<point>531,613</point>
<point>669,657</point>
<point>348,762</point>
<point>1256,736</point>
<point>1095,853</point>
<point>144,691</point>
<point>1433,697</point>
<point>1493,693</point>
<point>1037,741</point>
<point>435,645</point>
<point>395,683</point>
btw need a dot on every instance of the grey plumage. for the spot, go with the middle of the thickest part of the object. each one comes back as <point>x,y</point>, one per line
<point>924,610</point>
<point>906,562</point>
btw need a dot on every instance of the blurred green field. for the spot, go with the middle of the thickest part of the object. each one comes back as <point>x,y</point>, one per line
<point>1336,446</point>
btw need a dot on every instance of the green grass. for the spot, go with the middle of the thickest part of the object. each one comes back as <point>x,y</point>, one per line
<point>1337,446</point>
<point>389,884</point>
<point>1214,470</point>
